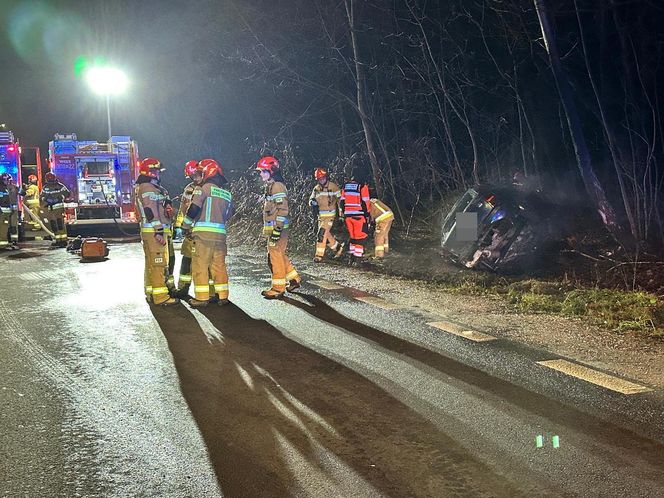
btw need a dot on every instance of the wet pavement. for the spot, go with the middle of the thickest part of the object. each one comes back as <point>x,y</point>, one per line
<point>319,394</point>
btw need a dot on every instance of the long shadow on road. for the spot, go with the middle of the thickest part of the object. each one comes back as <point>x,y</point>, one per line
<point>281,420</point>
<point>633,446</point>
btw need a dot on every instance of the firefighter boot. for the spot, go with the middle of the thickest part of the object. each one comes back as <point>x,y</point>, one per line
<point>197,303</point>
<point>340,250</point>
<point>169,302</point>
<point>293,285</point>
<point>272,294</point>
<point>218,301</point>
<point>182,293</point>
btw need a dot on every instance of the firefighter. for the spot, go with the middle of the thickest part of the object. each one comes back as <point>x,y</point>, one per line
<point>205,224</point>
<point>5,214</point>
<point>381,217</point>
<point>53,197</point>
<point>275,228</point>
<point>30,195</point>
<point>12,189</point>
<point>168,234</point>
<point>193,171</point>
<point>354,204</point>
<point>324,200</point>
<point>151,209</point>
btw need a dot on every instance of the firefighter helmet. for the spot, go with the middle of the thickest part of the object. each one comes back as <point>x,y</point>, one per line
<point>191,167</point>
<point>210,167</point>
<point>320,173</point>
<point>50,177</point>
<point>150,167</point>
<point>7,178</point>
<point>267,163</point>
<point>32,178</point>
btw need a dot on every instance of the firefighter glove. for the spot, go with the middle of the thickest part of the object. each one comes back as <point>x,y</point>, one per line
<point>275,235</point>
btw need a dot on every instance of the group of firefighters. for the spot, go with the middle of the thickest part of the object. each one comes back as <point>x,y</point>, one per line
<point>45,208</point>
<point>205,209</point>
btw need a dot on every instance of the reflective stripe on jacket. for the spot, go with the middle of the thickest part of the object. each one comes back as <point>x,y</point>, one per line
<point>355,198</point>
<point>379,211</point>
<point>54,195</point>
<point>275,209</point>
<point>150,199</point>
<point>326,197</point>
<point>185,202</point>
<point>215,205</point>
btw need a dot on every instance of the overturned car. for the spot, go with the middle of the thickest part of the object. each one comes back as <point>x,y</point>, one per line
<point>503,228</point>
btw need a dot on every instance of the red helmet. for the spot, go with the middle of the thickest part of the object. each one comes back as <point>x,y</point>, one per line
<point>267,163</point>
<point>210,167</point>
<point>150,167</point>
<point>32,178</point>
<point>50,177</point>
<point>320,173</point>
<point>191,167</point>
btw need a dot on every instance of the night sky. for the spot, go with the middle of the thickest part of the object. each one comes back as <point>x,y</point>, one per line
<point>173,109</point>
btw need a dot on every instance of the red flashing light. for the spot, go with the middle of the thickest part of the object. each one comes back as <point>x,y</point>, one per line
<point>11,148</point>
<point>490,198</point>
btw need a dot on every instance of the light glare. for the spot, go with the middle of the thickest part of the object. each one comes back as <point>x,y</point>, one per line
<point>106,80</point>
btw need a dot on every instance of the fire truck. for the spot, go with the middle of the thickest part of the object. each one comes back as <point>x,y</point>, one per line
<point>100,176</point>
<point>19,162</point>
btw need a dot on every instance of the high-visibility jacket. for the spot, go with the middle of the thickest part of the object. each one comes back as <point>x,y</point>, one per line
<point>275,208</point>
<point>150,206</point>
<point>54,194</point>
<point>185,202</point>
<point>379,211</point>
<point>31,195</point>
<point>355,199</point>
<point>210,209</point>
<point>326,198</point>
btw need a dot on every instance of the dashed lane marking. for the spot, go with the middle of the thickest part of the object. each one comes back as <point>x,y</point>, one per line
<point>595,377</point>
<point>380,302</point>
<point>325,284</point>
<point>461,331</point>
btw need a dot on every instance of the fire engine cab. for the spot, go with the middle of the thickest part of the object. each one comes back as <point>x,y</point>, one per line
<point>99,175</point>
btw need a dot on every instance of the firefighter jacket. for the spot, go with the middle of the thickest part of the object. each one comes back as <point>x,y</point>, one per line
<point>13,196</point>
<point>31,195</point>
<point>275,209</point>
<point>5,204</point>
<point>185,202</point>
<point>210,209</point>
<point>326,199</point>
<point>151,206</point>
<point>379,211</point>
<point>355,199</point>
<point>53,195</point>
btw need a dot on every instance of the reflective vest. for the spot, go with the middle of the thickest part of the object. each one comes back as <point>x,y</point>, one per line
<point>150,200</point>
<point>355,197</point>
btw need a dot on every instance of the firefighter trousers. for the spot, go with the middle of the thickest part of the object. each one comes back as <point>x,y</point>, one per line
<point>324,237</point>
<point>357,232</point>
<point>13,226</point>
<point>208,267</point>
<point>156,268</point>
<point>184,279</point>
<point>56,222</point>
<point>382,237</point>
<point>282,269</point>
<point>4,228</point>
<point>33,206</point>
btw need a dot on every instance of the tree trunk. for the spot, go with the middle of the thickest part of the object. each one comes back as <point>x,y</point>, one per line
<point>590,180</point>
<point>360,81</point>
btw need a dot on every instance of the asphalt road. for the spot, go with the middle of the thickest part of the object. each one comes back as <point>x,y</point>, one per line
<point>319,394</point>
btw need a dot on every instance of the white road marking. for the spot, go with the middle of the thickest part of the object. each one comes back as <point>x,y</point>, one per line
<point>380,302</point>
<point>595,377</point>
<point>462,331</point>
